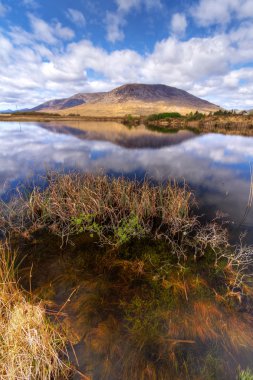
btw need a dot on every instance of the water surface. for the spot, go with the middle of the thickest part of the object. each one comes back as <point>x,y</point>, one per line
<point>216,166</point>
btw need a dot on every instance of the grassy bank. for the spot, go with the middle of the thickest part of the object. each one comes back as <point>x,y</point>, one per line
<point>157,294</point>
<point>218,122</point>
<point>31,346</point>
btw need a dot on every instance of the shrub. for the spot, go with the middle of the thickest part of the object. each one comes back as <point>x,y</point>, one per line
<point>196,116</point>
<point>168,115</point>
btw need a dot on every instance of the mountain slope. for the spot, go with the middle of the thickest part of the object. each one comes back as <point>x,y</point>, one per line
<point>60,104</point>
<point>137,99</point>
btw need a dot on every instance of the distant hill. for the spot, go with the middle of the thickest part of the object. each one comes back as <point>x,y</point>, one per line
<point>135,99</point>
<point>7,111</point>
<point>73,101</point>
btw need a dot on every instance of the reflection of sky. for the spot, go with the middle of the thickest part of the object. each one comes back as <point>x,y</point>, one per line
<point>216,166</point>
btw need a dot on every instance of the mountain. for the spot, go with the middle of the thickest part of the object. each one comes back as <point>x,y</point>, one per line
<point>7,111</point>
<point>73,101</point>
<point>135,99</point>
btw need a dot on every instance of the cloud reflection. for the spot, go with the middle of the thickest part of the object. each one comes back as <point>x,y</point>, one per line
<point>216,166</point>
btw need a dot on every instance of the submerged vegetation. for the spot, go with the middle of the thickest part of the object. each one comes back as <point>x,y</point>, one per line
<point>245,375</point>
<point>158,294</point>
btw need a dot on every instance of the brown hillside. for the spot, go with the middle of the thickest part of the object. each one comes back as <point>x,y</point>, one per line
<point>135,99</point>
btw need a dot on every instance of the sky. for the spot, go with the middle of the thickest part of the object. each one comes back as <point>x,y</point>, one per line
<point>55,48</point>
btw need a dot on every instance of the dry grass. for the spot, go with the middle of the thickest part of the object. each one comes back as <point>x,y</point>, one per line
<point>135,108</point>
<point>114,209</point>
<point>31,347</point>
<point>225,124</point>
<point>168,291</point>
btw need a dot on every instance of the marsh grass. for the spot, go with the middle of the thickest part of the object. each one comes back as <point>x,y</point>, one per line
<point>31,346</point>
<point>245,375</point>
<point>115,209</point>
<point>159,292</point>
<point>225,123</point>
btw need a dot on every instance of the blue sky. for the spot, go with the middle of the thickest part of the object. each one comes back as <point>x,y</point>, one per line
<point>53,49</point>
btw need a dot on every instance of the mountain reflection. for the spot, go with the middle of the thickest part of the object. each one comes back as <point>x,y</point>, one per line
<point>215,166</point>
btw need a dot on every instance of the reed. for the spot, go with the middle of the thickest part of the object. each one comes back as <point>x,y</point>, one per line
<point>115,209</point>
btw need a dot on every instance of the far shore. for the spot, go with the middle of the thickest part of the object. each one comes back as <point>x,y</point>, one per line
<point>51,117</point>
<point>225,123</point>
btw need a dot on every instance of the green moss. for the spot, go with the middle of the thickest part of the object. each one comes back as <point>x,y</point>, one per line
<point>245,375</point>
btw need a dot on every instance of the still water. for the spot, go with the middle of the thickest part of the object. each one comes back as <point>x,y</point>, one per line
<point>215,166</point>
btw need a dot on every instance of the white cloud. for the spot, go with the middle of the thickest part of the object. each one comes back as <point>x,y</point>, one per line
<point>31,4</point>
<point>49,33</point>
<point>205,67</point>
<point>127,5</point>
<point>178,23</point>
<point>208,12</point>
<point>115,21</point>
<point>3,9</point>
<point>76,17</point>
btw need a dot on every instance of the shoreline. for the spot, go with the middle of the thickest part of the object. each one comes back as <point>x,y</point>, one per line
<point>224,124</point>
<point>48,118</point>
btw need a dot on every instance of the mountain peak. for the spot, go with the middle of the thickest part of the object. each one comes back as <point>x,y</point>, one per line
<point>135,98</point>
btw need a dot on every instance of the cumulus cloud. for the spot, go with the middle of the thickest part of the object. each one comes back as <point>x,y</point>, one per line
<point>76,17</point>
<point>178,23</point>
<point>208,12</point>
<point>213,67</point>
<point>115,21</point>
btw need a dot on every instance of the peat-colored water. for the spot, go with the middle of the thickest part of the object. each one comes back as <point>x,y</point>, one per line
<point>216,167</point>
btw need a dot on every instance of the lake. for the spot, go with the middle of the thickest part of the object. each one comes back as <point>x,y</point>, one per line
<point>216,167</point>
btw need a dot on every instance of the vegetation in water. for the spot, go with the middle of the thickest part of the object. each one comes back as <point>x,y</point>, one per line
<point>115,209</point>
<point>131,121</point>
<point>245,375</point>
<point>160,297</point>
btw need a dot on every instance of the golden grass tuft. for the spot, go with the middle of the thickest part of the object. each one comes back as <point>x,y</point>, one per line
<point>114,209</point>
<point>31,347</point>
